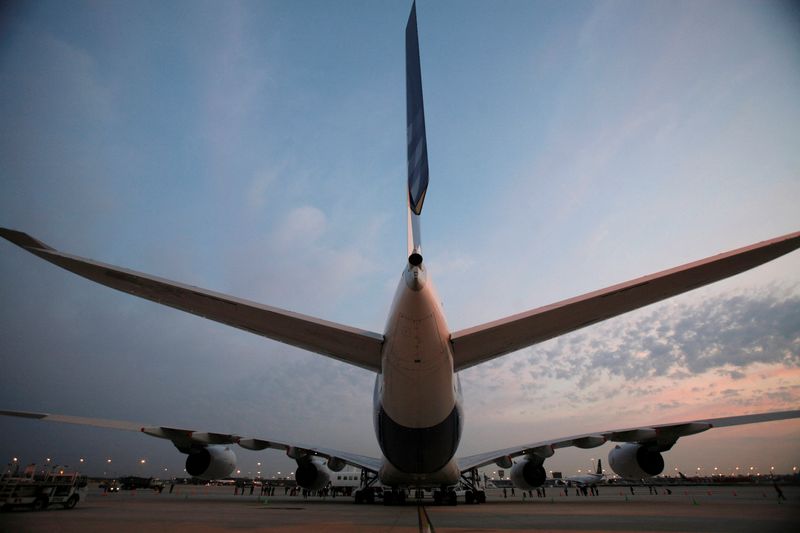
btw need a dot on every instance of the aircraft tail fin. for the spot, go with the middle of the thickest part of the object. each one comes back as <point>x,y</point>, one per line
<point>599,467</point>
<point>417,145</point>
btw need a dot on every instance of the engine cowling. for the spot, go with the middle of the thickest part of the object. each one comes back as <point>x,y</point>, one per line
<point>527,474</point>
<point>211,462</point>
<point>335,464</point>
<point>634,461</point>
<point>311,474</point>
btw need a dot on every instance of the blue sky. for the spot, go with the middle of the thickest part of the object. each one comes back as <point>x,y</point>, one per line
<point>258,149</point>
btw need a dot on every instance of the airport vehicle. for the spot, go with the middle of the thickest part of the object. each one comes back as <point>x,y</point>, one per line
<point>135,482</point>
<point>417,398</point>
<point>38,491</point>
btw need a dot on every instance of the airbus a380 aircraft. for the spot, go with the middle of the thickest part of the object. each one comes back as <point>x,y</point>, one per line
<point>588,478</point>
<point>417,397</point>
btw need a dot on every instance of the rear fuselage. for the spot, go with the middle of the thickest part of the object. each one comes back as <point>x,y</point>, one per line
<point>417,400</point>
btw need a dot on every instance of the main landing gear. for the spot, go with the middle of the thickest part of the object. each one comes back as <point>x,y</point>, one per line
<point>473,493</point>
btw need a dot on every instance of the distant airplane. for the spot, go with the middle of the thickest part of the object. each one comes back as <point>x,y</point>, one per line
<point>587,478</point>
<point>417,401</point>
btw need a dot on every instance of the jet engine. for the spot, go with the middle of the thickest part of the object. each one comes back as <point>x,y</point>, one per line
<point>311,474</point>
<point>211,462</point>
<point>635,461</point>
<point>528,474</point>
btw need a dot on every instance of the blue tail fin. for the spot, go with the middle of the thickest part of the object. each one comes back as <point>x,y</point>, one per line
<point>415,121</point>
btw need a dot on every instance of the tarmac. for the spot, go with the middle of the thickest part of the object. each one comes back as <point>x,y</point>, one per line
<point>200,509</point>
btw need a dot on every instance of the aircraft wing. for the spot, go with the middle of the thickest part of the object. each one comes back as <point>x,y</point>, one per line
<point>351,345</point>
<point>184,439</point>
<point>662,436</point>
<point>481,343</point>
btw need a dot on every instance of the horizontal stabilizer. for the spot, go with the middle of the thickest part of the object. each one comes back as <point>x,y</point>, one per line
<point>351,345</point>
<point>481,343</point>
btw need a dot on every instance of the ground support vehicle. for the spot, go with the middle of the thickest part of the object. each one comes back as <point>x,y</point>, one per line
<point>38,491</point>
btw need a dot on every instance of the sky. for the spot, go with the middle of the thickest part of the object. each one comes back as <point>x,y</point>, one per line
<point>258,149</point>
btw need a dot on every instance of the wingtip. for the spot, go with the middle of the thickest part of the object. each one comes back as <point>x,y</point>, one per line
<point>22,240</point>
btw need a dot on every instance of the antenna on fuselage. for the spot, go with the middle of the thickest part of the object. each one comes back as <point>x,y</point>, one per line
<point>416,142</point>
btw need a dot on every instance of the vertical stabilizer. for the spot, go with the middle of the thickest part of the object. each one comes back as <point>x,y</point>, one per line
<point>599,467</point>
<point>415,134</point>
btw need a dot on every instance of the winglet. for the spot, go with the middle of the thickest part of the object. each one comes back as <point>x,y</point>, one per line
<point>23,240</point>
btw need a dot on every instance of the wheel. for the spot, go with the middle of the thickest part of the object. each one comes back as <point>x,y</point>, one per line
<point>401,497</point>
<point>359,496</point>
<point>481,496</point>
<point>369,497</point>
<point>452,499</point>
<point>437,497</point>
<point>388,497</point>
<point>39,504</point>
<point>469,497</point>
<point>71,502</point>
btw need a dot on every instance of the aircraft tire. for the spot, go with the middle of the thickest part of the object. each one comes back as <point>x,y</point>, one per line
<point>480,497</point>
<point>469,497</point>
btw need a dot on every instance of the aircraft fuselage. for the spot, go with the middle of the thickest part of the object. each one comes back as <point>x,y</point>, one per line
<point>418,415</point>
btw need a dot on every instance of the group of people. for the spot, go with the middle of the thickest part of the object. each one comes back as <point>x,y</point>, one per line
<point>266,489</point>
<point>540,493</point>
<point>586,490</point>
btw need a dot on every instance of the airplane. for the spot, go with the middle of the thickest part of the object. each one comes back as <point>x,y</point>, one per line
<point>587,478</point>
<point>417,398</point>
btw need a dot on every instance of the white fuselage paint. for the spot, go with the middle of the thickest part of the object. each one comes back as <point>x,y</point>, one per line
<point>417,387</point>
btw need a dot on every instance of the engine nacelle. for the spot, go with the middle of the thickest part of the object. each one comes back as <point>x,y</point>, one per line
<point>528,474</point>
<point>335,464</point>
<point>211,462</point>
<point>634,461</point>
<point>311,474</point>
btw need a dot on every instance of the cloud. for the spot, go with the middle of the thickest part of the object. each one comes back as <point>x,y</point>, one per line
<point>302,226</point>
<point>726,333</point>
